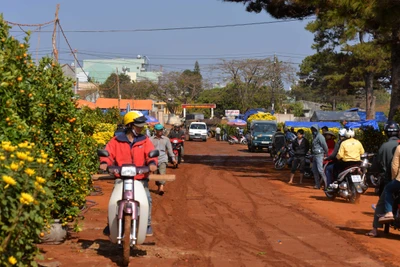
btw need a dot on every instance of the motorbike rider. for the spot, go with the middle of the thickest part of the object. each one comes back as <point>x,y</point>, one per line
<point>330,168</point>
<point>318,149</point>
<point>300,147</point>
<point>386,151</point>
<point>350,151</point>
<point>132,148</point>
<point>385,158</point>
<point>162,144</point>
<point>278,141</point>
<point>176,132</point>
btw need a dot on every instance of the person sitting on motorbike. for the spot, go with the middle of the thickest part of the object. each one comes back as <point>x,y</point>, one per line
<point>176,132</point>
<point>350,151</point>
<point>385,158</point>
<point>278,141</point>
<point>162,144</point>
<point>288,134</point>
<point>132,148</point>
<point>300,147</point>
<point>330,168</point>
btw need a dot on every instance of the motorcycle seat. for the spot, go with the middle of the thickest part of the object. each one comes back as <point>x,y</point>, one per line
<point>346,171</point>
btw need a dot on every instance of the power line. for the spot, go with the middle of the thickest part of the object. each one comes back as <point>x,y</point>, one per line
<point>183,28</point>
<point>72,51</point>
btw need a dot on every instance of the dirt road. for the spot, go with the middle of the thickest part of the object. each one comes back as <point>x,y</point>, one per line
<point>229,207</point>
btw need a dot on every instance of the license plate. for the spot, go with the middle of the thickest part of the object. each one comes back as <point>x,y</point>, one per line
<point>356,178</point>
<point>264,142</point>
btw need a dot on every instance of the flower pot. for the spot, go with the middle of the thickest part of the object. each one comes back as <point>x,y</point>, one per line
<point>57,235</point>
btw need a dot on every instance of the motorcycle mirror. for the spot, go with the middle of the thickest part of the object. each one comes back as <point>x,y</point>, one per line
<point>102,153</point>
<point>154,153</point>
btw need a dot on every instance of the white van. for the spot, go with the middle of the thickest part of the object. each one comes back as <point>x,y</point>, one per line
<point>198,130</point>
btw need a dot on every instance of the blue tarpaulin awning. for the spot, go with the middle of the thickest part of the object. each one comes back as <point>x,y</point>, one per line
<point>363,124</point>
<point>308,124</point>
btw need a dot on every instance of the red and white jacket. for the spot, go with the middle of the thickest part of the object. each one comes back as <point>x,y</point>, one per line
<point>124,152</point>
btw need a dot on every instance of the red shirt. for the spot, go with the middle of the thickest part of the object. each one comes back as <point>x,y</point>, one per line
<point>122,151</point>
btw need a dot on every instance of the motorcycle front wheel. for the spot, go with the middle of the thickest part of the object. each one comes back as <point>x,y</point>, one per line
<point>280,163</point>
<point>126,245</point>
<point>231,142</point>
<point>244,142</point>
<point>330,195</point>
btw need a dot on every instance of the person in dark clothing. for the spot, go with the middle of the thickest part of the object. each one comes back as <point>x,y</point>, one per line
<point>300,147</point>
<point>385,156</point>
<point>278,141</point>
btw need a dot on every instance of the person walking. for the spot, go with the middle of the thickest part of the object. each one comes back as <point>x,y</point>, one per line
<point>163,145</point>
<point>300,148</point>
<point>218,133</point>
<point>318,149</point>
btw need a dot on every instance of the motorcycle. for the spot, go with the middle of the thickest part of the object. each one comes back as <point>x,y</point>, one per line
<point>351,182</point>
<point>128,206</point>
<point>396,213</point>
<point>176,144</point>
<point>234,140</point>
<point>283,157</point>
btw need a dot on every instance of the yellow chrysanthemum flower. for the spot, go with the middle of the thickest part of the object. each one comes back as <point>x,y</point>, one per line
<point>30,159</point>
<point>12,260</point>
<point>9,148</point>
<point>2,158</point>
<point>38,186</point>
<point>44,155</point>
<point>26,198</point>
<point>14,166</point>
<point>22,145</point>
<point>40,180</point>
<point>9,180</point>
<point>29,171</point>
<point>22,155</point>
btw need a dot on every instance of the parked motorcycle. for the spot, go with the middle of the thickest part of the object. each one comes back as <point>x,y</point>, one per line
<point>128,206</point>
<point>234,140</point>
<point>351,182</point>
<point>176,144</point>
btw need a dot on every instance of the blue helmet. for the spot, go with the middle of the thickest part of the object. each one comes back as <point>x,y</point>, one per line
<point>158,127</point>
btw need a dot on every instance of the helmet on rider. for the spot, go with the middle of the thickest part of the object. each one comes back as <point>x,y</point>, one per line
<point>136,118</point>
<point>158,127</point>
<point>391,129</point>
<point>349,133</point>
<point>342,132</point>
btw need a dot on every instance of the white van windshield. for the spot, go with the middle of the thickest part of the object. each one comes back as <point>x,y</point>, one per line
<point>198,126</point>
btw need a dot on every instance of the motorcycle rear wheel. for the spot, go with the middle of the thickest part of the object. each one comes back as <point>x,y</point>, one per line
<point>126,245</point>
<point>355,196</point>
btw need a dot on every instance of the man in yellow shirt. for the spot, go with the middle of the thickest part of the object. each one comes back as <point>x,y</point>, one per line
<point>350,151</point>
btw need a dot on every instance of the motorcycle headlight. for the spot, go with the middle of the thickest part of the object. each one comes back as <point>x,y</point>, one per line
<point>129,171</point>
<point>255,137</point>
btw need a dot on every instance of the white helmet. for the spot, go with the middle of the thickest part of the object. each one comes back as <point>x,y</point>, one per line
<point>342,132</point>
<point>349,133</point>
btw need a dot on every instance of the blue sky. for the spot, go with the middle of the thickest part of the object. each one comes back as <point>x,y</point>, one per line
<point>174,50</point>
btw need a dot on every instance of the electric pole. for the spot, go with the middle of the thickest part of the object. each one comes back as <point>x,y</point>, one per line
<point>75,70</point>
<point>55,51</point>
<point>119,96</point>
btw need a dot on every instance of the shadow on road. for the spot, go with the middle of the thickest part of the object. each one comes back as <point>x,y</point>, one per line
<point>109,250</point>
<point>394,235</point>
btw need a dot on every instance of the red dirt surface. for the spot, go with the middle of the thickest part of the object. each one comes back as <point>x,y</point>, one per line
<point>229,207</point>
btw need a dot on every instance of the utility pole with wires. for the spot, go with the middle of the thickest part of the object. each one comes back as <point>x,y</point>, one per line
<point>119,96</point>
<point>75,71</point>
<point>55,51</point>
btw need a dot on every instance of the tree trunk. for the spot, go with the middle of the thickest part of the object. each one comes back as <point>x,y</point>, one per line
<point>369,95</point>
<point>395,60</point>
